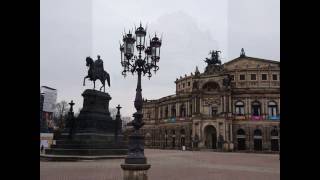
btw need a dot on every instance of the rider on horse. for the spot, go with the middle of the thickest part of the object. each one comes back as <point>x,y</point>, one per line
<point>98,66</point>
<point>96,71</point>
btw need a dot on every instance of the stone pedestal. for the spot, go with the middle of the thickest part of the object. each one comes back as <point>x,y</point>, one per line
<point>94,133</point>
<point>135,171</point>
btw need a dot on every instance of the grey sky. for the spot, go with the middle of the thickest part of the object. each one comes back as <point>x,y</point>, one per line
<point>73,29</point>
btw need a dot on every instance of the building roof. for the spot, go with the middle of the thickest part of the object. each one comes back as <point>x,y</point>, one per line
<point>252,58</point>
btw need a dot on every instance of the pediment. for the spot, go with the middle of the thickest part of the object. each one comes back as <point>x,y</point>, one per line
<point>250,62</point>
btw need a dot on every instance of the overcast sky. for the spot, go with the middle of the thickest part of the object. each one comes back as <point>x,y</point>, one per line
<point>71,30</point>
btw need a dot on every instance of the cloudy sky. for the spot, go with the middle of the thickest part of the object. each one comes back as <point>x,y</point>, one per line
<point>71,30</point>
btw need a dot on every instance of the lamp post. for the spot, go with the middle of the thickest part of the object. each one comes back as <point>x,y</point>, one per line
<point>136,161</point>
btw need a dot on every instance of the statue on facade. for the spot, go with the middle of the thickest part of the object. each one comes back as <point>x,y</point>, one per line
<point>214,59</point>
<point>213,63</point>
<point>242,53</point>
<point>96,71</point>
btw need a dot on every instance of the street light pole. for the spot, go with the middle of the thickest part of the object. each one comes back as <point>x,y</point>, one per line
<point>136,161</point>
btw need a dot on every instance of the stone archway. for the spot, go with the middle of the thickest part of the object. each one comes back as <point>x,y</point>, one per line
<point>210,134</point>
<point>241,138</point>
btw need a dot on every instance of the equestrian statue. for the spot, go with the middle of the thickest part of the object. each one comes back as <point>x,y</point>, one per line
<point>96,71</point>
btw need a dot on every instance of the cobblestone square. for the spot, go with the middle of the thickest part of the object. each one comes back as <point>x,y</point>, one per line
<point>173,165</point>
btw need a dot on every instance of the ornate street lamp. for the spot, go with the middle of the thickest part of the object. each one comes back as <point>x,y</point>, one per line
<point>140,65</point>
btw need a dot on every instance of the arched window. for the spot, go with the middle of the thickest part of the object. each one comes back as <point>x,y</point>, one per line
<point>257,140</point>
<point>241,138</point>
<point>272,108</point>
<point>239,106</point>
<point>256,108</point>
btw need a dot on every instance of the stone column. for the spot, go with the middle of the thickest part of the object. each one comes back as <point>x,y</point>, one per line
<point>200,106</point>
<point>218,131</point>
<point>187,108</point>
<point>225,130</point>
<point>224,104</point>
<point>278,106</point>
<point>177,109</point>
<point>231,132</point>
<point>265,108</point>
<point>249,106</point>
<point>194,105</point>
<point>230,104</point>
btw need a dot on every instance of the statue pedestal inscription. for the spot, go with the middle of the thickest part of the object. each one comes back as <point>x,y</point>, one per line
<point>93,132</point>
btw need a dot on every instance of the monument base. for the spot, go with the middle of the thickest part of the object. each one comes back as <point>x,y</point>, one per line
<point>93,132</point>
<point>135,171</point>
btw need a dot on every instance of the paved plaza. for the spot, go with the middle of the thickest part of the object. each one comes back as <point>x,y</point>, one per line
<point>173,165</point>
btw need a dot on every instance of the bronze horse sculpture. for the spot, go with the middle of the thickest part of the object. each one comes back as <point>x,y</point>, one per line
<point>96,71</point>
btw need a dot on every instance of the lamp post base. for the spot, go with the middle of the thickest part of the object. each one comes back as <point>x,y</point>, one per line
<point>135,171</point>
<point>136,149</point>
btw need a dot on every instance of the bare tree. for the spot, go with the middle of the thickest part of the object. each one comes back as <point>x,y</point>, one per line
<point>61,113</point>
<point>113,112</point>
<point>77,113</point>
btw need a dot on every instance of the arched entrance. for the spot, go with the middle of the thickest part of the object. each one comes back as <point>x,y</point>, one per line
<point>210,137</point>
<point>182,137</point>
<point>257,140</point>
<point>274,140</point>
<point>241,138</point>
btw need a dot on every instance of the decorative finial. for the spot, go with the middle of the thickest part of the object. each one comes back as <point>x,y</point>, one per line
<point>71,106</point>
<point>118,107</point>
